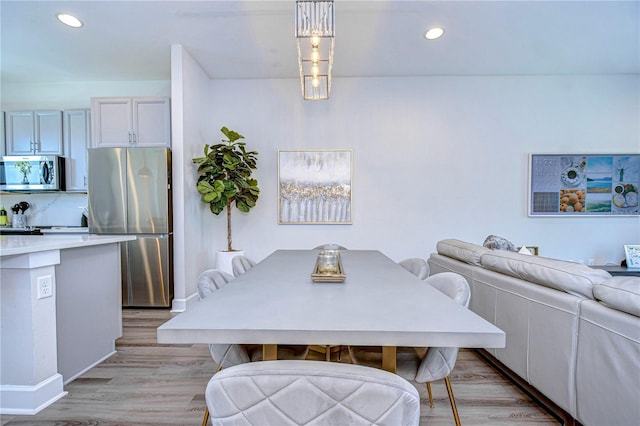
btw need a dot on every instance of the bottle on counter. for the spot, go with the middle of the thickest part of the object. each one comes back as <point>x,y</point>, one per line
<point>3,216</point>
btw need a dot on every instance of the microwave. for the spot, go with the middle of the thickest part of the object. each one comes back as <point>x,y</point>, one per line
<point>32,173</point>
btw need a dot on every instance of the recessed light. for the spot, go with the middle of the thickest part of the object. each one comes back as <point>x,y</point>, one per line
<point>434,33</point>
<point>69,20</point>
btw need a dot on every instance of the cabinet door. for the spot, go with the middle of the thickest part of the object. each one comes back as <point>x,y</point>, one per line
<point>20,132</point>
<point>48,130</point>
<point>152,122</point>
<point>2,138</point>
<point>111,122</point>
<point>76,141</point>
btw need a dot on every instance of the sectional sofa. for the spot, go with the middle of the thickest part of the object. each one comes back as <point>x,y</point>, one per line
<point>572,332</point>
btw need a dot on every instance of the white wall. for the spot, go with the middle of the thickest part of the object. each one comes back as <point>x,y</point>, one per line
<point>191,130</point>
<point>434,157</point>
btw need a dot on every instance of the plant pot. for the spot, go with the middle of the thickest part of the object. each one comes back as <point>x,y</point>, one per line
<point>223,260</point>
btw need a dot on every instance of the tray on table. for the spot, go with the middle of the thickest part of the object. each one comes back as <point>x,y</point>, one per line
<point>339,277</point>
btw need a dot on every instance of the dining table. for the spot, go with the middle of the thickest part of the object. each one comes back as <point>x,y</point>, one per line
<point>379,303</point>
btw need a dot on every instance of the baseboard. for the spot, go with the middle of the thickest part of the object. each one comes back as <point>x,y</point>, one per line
<point>30,400</point>
<point>84,370</point>
<point>551,407</point>
<point>180,305</point>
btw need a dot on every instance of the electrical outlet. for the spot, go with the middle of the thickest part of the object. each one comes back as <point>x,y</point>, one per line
<point>45,286</point>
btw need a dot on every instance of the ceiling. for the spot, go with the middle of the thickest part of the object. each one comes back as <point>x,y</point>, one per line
<point>130,40</point>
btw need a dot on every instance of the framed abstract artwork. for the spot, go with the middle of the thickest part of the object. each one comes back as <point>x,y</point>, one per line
<point>584,185</point>
<point>314,186</point>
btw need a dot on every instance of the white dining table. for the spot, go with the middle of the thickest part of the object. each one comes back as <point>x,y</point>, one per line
<point>378,304</point>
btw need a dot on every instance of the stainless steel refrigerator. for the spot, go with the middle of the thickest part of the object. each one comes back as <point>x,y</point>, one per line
<point>130,193</point>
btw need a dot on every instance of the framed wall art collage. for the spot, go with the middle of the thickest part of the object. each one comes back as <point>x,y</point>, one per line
<point>574,185</point>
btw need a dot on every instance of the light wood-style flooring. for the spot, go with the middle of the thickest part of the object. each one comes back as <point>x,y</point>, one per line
<point>150,384</point>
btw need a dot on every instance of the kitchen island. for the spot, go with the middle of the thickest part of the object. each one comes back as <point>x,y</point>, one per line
<point>60,313</point>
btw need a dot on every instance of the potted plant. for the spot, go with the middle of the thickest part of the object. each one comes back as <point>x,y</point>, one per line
<point>224,177</point>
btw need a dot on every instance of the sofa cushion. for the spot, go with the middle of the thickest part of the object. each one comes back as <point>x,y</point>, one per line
<point>571,277</point>
<point>620,293</point>
<point>460,250</point>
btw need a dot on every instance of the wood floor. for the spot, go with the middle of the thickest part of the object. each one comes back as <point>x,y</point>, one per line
<point>150,384</point>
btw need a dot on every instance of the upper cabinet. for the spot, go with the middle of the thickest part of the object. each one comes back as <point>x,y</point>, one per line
<point>77,134</point>
<point>34,133</point>
<point>2,144</point>
<point>131,122</point>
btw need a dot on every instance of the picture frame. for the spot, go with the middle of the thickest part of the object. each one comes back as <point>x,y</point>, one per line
<point>584,185</point>
<point>315,186</point>
<point>532,249</point>
<point>632,252</point>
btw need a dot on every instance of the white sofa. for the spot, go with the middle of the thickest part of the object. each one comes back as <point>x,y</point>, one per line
<point>572,332</point>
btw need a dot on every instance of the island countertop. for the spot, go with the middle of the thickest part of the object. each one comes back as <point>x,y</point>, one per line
<point>11,245</point>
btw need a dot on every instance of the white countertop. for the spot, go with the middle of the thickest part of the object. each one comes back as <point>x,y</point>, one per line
<point>65,230</point>
<point>11,245</point>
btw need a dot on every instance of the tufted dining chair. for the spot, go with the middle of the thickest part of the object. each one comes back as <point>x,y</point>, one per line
<point>425,365</point>
<point>310,393</point>
<point>415,265</point>
<point>228,355</point>
<point>210,281</point>
<point>241,264</point>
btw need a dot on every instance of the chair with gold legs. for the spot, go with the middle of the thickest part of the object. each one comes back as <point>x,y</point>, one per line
<point>310,393</point>
<point>417,266</point>
<point>225,355</point>
<point>241,264</point>
<point>425,365</point>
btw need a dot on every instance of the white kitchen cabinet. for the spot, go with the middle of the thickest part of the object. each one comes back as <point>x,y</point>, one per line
<point>77,134</point>
<point>131,122</point>
<point>2,138</point>
<point>34,133</point>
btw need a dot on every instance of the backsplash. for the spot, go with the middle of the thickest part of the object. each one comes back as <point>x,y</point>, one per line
<point>48,209</point>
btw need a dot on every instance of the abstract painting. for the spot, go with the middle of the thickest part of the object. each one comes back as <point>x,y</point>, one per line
<point>314,187</point>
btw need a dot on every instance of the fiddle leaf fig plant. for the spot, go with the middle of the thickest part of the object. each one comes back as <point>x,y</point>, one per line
<point>224,177</point>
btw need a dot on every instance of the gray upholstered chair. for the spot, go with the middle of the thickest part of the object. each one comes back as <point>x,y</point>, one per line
<point>310,393</point>
<point>211,280</point>
<point>418,267</point>
<point>228,355</point>
<point>241,264</point>
<point>425,365</point>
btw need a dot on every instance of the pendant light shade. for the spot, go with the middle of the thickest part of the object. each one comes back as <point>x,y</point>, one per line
<point>315,38</point>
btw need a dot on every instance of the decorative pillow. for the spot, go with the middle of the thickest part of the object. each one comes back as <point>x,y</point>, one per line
<point>570,277</point>
<point>499,243</point>
<point>465,252</point>
<point>620,293</point>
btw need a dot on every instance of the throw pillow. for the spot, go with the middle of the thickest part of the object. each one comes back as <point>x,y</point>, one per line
<point>499,243</point>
